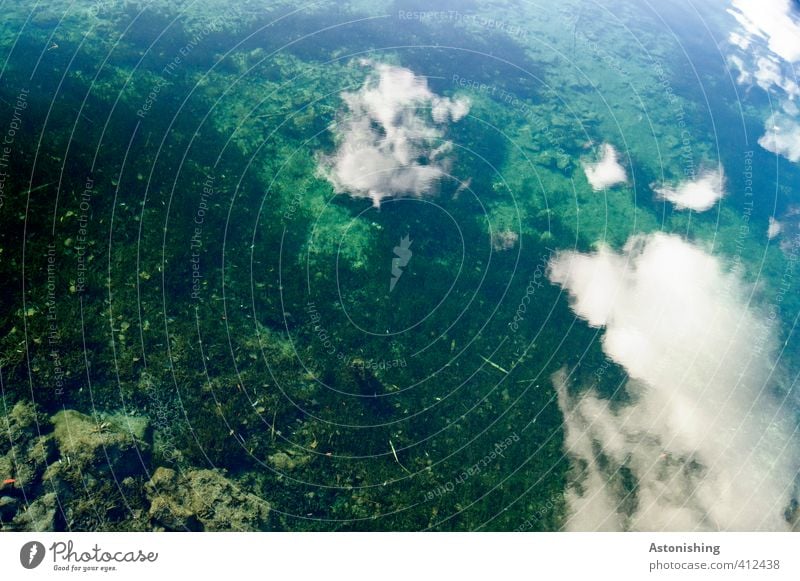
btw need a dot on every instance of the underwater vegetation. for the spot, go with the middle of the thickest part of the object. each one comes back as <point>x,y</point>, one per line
<point>380,266</point>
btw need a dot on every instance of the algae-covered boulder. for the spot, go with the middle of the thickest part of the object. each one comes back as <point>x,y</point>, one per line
<point>23,417</point>
<point>203,500</point>
<point>25,451</point>
<point>21,424</point>
<point>28,460</point>
<point>72,471</point>
<point>284,462</point>
<point>168,505</point>
<point>119,444</point>
<point>40,516</point>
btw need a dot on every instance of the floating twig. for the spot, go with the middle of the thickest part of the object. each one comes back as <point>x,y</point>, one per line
<point>396,459</point>
<point>493,364</point>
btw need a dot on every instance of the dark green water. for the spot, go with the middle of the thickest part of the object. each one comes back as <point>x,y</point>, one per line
<point>170,247</point>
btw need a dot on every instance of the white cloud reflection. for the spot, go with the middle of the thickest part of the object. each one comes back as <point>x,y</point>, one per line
<point>698,194</point>
<point>768,43</point>
<point>607,171</point>
<point>390,138</point>
<point>705,440</point>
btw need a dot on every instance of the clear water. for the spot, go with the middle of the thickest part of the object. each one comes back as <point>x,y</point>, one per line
<point>207,276</point>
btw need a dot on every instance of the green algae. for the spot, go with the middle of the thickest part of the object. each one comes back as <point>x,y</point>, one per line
<point>307,412</point>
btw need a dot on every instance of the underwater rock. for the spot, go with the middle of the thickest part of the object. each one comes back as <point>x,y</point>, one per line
<point>167,508</point>
<point>25,453</point>
<point>97,454</point>
<point>68,470</point>
<point>203,500</point>
<point>23,424</point>
<point>121,444</point>
<point>28,461</point>
<point>283,461</point>
<point>40,515</point>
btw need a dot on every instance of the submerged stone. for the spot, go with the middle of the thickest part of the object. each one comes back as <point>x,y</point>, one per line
<point>203,500</point>
<point>40,516</point>
<point>103,443</point>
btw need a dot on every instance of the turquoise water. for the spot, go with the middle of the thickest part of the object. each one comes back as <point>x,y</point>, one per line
<point>183,241</point>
